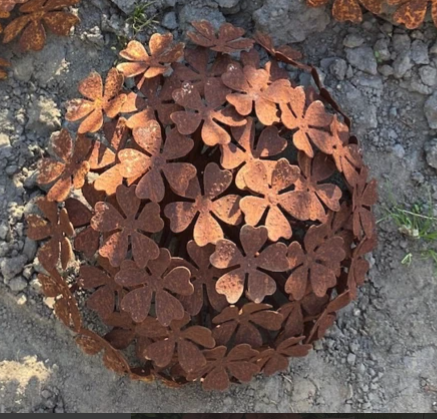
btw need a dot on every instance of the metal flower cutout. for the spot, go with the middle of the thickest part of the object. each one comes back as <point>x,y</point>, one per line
<point>38,15</point>
<point>259,284</point>
<point>153,101</point>
<point>246,151</point>
<point>187,340</point>
<point>57,228</point>
<point>102,279</point>
<point>221,366</point>
<point>87,240</point>
<point>155,200</point>
<point>206,228</point>
<point>210,112</point>
<point>3,66</point>
<point>65,306</point>
<point>107,219</point>
<point>253,90</point>
<point>364,197</point>
<point>311,122</point>
<point>244,323</point>
<point>99,100</point>
<point>198,70</point>
<point>8,5</point>
<point>412,13</point>
<point>157,161</point>
<point>318,265</point>
<point>162,53</point>
<point>203,277</point>
<point>273,360</point>
<point>310,193</point>
<point>70,171</point>
<point>283,53</point>
<point>228,40</point>
<point>157,282</point>
<point>270,184</point>
<point>349,10</point>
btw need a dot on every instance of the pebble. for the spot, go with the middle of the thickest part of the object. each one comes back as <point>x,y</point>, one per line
<point>351,358</point>
<point>353,41</point>
<point>430,109</point>
<point>431,153</point>
<point>12,267</point>
<point>428,75</point>
<point>29,249</point>
<point>419,52</point>
<point>169,21</point>
<point>17,284</point>
<point>21,299</point>
<point>398,151</point>
<point>362,58</point>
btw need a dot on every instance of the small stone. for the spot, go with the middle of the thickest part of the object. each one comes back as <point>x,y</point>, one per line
<point>401,65</point>
<point>398,151</point>
<point>338,68</point>
<point>12,267</point>
<point>428,75</point>
<point>21,299</point>
<point>430,109</point>
<point>401,43</point>
<point>351,358</point>
<point>381,50</point>
<point>169,21</point>
<point>126,6</point>
<point>46,394</point>
<point>386,70</point>
<point>353,41</point>
<point>431,153</point>
<point>363,59</point>
<point>29,249</point>
<point>44,116</point>
<point>228,4</point>
<point>419,52</point>
<point>3,231</point>
<point>17,284</point>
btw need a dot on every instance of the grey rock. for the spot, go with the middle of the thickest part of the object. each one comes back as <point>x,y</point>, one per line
<point>363,59</point>
<point>351,358</point>
<point>44,116</point>
<point>381,50</point>
<point>12,267</point>
<point>190,13</point>
<point>431,153</point>
<point>353,41</point>
<point>428,75</point>
<point>290,21</point>
<point>169,21</point>
<point>433,49</point>
<point>416,85</point>
<point>126,6</point>
<point>24,68</point>
<point>401,65</point>
<point>21,299</point>
<point>228,4</point>
<point>338,68</point>
<point>386,70</point>
<point>29,249</point>
<point>4,229</point>
<point>430,109</point>
<point>419,52</point>
<point>398,151</point>
<point>401,43</point>
<point>17,284</point>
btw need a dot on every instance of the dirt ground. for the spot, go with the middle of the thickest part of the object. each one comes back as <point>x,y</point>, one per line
<point>381,356</point>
